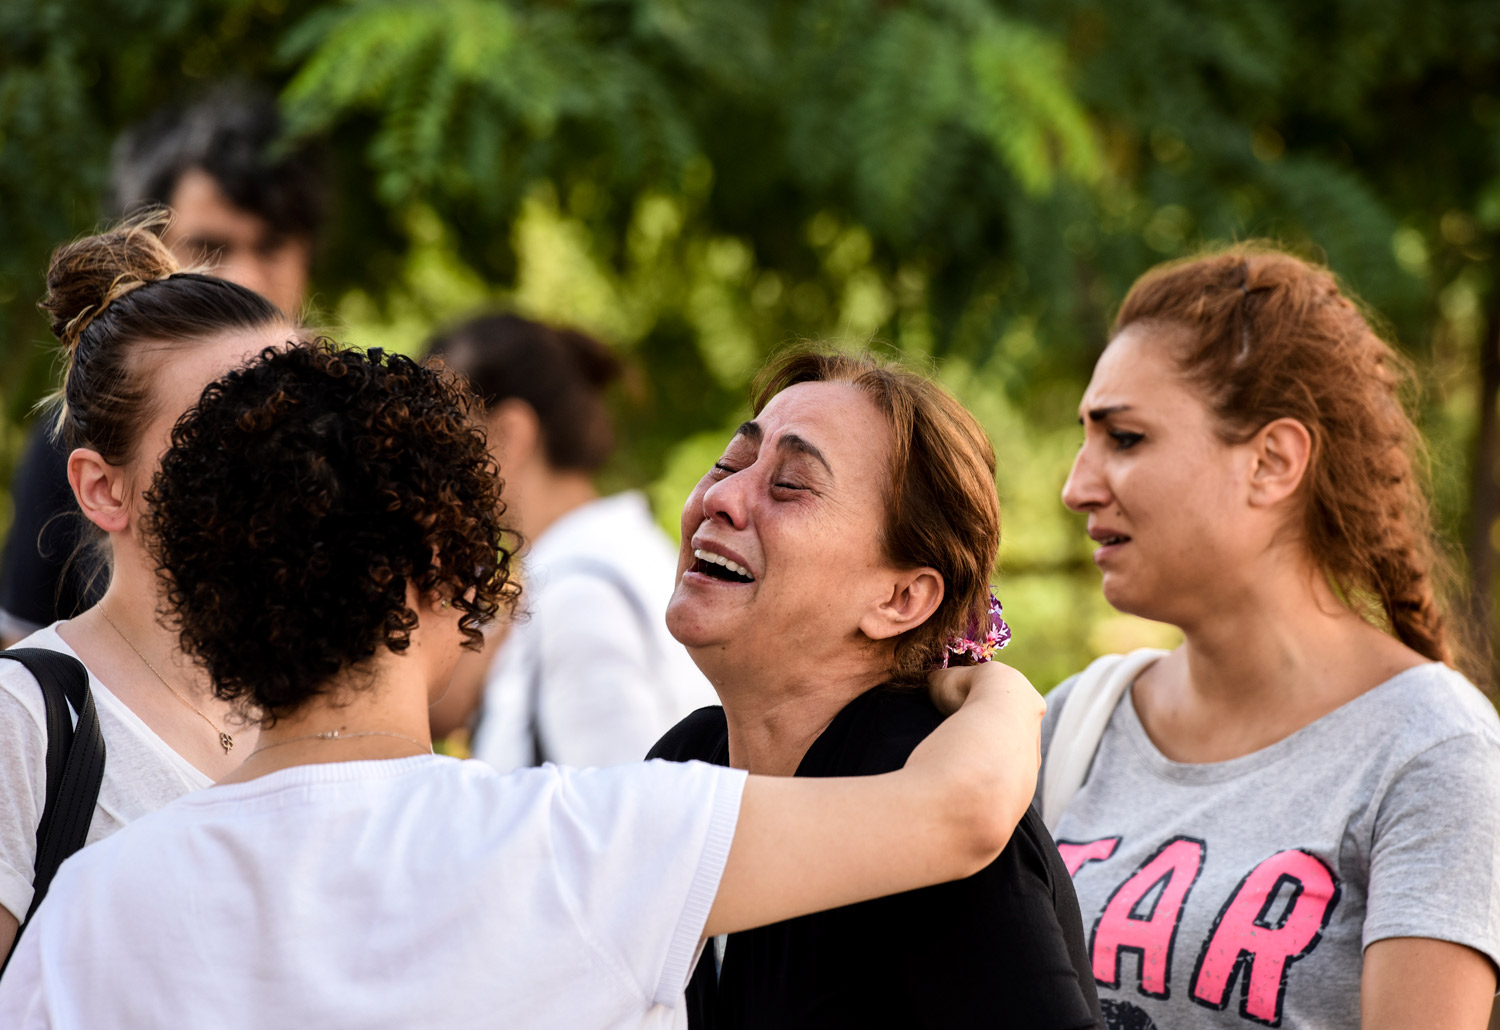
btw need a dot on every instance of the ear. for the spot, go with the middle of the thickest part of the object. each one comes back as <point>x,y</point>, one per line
<point>1280,452</point>
<point>915,595</point>
<point>101,488</point>
<point>515,432</point>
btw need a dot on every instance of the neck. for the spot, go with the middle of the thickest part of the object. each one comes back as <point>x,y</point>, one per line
<point>1284,653</point>
<point>130,611</point>
<point>363,714</point>
<point>774,716</point>
<point>1288,633</point>
<point>538,495</point>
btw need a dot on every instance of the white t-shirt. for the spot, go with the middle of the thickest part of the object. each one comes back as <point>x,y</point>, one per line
<point>593,660</point>
<point>404,893</point>
<point>141,771</point>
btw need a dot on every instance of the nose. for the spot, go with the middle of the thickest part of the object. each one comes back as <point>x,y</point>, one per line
<point>725,502</point>
<point>1085,489</point>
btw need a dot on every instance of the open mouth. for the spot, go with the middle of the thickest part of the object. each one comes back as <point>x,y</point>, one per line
<point>719,567</point>
<point>1110,540</point>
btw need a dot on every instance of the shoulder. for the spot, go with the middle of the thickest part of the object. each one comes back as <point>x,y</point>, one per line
<point>1440,737</point>
<point>582,594</point>
<point>18,687</point>
<point>698,736</point>
<point>1426,706</point>
<point>617,530</point>
<point>875,733</point>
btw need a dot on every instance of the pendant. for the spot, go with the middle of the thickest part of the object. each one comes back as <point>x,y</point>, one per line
<point>225,741</point>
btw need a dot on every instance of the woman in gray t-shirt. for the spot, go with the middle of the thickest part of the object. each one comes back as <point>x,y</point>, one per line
<point>1293,819</point>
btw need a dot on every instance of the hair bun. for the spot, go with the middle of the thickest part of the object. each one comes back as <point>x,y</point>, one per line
<point>596,363</point>
<point>88,275</point>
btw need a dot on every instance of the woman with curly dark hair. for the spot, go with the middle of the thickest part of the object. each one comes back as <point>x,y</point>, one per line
<point>329,529</point>
<point>140,338</point>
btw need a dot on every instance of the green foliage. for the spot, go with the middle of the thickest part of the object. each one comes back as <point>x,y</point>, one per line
<point>975,183</point>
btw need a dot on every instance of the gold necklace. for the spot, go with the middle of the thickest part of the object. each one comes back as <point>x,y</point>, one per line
<point>225,740</point>
<point>340,735</point>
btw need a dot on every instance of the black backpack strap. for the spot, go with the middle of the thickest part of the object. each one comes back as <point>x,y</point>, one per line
<point>600,570</point>
<point>75,763</point>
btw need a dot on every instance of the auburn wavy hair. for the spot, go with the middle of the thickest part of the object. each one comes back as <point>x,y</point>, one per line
<point>300,498</point>
<point>1272,336</point>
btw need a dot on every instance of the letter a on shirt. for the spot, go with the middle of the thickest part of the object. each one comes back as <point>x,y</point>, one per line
<point>1173,868</point>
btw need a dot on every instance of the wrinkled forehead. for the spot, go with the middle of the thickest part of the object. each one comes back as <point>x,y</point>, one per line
<point>839,420</point>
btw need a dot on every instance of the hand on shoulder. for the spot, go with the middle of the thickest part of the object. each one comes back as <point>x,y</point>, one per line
<point>951,687</point>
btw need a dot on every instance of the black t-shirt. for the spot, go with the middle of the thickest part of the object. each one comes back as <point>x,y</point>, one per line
<point>42,579</point>
<point>1003,948</point>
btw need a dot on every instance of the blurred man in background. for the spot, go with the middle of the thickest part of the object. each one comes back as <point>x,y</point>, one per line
<point>247,208</point>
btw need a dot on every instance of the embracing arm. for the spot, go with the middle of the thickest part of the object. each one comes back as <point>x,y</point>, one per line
<point>1414,983</point>
<point>804,845</point>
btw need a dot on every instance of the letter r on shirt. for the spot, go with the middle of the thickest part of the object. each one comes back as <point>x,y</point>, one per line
<point>1246,941</point>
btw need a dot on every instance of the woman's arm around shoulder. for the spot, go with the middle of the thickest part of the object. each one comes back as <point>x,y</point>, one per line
<point>805,845</point>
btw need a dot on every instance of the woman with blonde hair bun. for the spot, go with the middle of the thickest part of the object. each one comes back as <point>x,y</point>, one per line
<point>141,338</point>
<point>1293,819</point>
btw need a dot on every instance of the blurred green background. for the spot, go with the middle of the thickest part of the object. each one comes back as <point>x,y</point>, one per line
<point>971,184</point>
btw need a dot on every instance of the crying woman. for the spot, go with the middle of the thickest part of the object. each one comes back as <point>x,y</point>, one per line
<point>839,550</point>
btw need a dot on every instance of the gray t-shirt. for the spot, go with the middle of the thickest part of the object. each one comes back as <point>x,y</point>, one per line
<point>1243,893</point>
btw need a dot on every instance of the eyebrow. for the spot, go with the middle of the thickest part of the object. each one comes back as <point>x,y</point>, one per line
<point>1100,414</point>
<point>788,442</point>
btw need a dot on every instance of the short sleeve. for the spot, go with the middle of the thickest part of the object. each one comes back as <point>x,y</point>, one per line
<point>601,701</point>
<point>23,787</point>
<point>640,850</point>
<point>1435,858</point>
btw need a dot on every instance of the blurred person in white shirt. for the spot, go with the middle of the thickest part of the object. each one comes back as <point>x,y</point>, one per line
<point>591,676</point>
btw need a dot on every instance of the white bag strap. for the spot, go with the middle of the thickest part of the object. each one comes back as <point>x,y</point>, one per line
<point>1079,728</point>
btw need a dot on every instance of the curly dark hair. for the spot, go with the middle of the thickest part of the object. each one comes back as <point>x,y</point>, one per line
<point>300,497</point>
